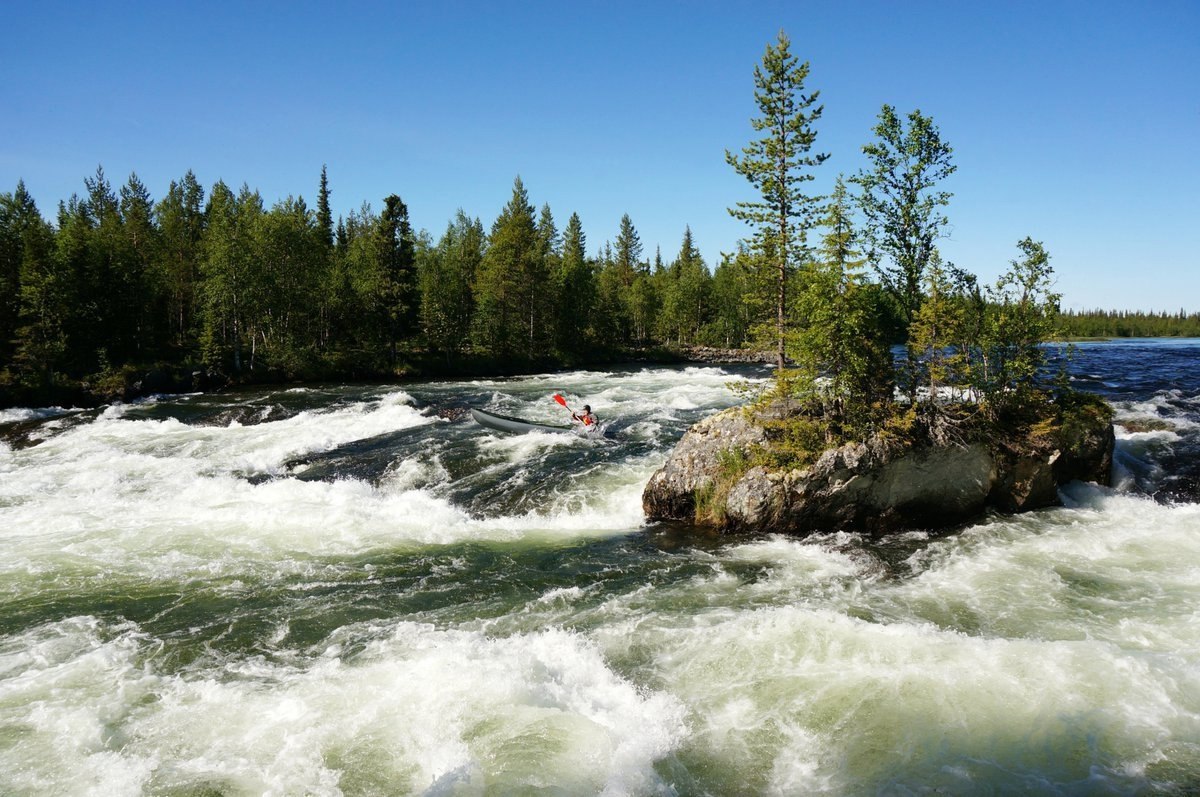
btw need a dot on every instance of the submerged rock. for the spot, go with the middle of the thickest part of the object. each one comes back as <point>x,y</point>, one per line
<point>876,486</point>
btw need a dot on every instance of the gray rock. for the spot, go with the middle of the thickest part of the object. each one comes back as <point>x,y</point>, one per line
<point>875,486</point>
<point>696,462</point>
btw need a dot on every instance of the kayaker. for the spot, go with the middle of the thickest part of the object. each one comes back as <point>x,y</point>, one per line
<point>586,417</point>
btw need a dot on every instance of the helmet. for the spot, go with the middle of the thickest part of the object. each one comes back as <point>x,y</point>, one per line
<point>587,407</point>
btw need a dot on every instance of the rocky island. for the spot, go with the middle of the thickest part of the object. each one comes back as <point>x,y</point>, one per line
<point>720,473</point>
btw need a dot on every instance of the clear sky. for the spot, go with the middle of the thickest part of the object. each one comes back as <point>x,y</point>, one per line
<point>1076,123</point>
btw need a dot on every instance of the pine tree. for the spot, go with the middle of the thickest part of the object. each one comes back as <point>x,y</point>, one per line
<point>778,165</point>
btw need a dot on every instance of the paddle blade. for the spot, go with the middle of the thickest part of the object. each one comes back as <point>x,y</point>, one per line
<point>560,399</point>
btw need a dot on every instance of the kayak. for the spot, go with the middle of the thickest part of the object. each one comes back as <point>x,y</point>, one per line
<point>503,423</point>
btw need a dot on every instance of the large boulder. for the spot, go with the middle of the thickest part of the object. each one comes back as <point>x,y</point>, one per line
<point>877,486</point>
<point>695,464</point>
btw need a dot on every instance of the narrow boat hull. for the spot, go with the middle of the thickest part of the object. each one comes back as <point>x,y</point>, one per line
<point>502,423</point>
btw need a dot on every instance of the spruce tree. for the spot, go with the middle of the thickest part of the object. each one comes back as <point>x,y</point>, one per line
<point>11,254</point>
<point>395,250</point>
<point>511,315</point>
<point>146,292</point>
<point>576,291</point>
<point>324,215</point>
<point>686,297</point>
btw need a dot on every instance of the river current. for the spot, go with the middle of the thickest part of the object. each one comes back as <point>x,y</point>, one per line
<point>356,590</point>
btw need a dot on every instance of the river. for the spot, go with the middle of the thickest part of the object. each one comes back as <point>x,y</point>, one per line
<point>356,590</point>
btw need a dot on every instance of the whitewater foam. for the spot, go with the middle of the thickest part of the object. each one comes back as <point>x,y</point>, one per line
<point>512,713</point>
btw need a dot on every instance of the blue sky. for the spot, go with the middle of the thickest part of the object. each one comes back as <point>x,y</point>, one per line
<point>1076,123</point>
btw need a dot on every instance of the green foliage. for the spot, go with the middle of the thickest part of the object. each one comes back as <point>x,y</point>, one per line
<point>730,314</point>
<point>446,276</point>
<point>1079,324</point>
<point>324,213</point>
<point>180,217</point>
<point>686,289</point>
<point>627,253</point>
<point>513,305</point>
<point>1021,316</point>
<point>901,202</point>
<point>119,281</point>
<point>841,342</point>
<point>710,499</point>
<point>777,166</point>
<point>575,286</point>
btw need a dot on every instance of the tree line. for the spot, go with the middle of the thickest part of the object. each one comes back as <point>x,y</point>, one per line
<point>216,279</point>
<point>1129,324</point>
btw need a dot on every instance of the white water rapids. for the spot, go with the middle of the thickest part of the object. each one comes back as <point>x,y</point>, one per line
<point>339,591</point>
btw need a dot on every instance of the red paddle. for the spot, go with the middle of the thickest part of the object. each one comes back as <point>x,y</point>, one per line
<point>563,402</point>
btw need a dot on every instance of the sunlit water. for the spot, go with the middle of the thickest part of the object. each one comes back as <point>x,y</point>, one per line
<point>356,590</point>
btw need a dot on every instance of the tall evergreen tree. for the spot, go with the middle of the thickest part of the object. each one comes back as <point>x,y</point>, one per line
<point>324,215</point>
<point>37,334</point>
<point>637,300</point>
<point>628,252</point>
<point>610,319</point>
<point>396,252</point>
<point>146,293</point>
<point>575,289</point>
<point>11,255</point>
<point>687,288</point>
<point>512,314</point>
<point>180,216</point>
<point>778,165</point>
